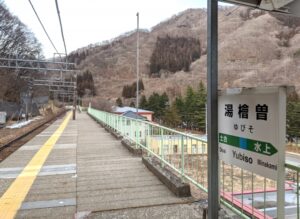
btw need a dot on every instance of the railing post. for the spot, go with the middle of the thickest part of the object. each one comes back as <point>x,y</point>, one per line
<point>151,136</point>
<point>137,134</point>
<point>125,127</point>
<point>117,123</point>
<point>107,120</point>
<point>162,146</point>
<point>147,139</point>
<point>122,126</point>
<point>131,132</point>
<point>113,123</point>
<point>297,187</point>
<point>182,157</point>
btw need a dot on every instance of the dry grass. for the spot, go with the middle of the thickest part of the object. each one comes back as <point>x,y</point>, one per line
<point>256,49</point>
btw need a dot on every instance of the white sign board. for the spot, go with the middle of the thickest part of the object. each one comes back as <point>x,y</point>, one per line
<point>251,135</point>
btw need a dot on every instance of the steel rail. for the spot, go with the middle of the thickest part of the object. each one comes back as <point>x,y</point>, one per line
<point>6,145</point>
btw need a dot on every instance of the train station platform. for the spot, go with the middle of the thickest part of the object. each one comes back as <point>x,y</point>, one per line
<point>75,169</point>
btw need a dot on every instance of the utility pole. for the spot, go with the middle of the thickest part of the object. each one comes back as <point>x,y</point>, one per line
<point>137,64</point>
<point>75,97</point>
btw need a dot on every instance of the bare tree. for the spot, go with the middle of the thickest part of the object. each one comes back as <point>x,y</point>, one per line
<point>15,37</point>
<point>15,40</point>
<point>102,104</point>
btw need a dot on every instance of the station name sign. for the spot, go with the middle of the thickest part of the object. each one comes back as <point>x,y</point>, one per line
<point>249,129</point>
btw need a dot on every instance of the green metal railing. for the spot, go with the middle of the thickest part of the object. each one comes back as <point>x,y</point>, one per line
<point>293,176</point>
<point>186,155</point>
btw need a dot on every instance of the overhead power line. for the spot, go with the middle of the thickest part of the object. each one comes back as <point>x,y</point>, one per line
<point>43,26</point>
<point>61,28</point>
<point>225,16</point>
<point>234,9</point>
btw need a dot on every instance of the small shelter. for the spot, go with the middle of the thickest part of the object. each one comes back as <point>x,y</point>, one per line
<point>145,113</point>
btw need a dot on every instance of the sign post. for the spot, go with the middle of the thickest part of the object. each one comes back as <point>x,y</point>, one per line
<point>252,124</point>
<point>212,110</point>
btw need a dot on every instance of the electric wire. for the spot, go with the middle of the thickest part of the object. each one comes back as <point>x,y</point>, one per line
<point>43,26</point>
<point>61,28</point>
<point>225,16</point>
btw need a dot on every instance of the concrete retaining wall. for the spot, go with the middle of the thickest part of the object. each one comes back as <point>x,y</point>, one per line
<point>173,182</point>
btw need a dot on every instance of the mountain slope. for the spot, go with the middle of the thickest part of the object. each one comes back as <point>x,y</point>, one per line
<point>255,48</point>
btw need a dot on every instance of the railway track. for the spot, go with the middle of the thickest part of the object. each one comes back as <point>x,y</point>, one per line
<point>9,146</point>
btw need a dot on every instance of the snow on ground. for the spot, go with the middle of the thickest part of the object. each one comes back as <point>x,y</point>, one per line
<point>22,123</point>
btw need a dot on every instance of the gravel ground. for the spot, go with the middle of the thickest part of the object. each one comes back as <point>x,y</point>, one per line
<point>7,135</point>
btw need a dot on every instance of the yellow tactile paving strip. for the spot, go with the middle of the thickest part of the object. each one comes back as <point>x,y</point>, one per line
<point>12,199</point>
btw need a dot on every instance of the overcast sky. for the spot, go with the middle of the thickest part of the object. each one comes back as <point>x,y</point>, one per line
<point>92,21</point>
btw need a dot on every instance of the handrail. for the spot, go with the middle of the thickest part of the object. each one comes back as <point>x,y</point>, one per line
<point>292,167</point>
<point>118,124</point>
<point>158,126</point>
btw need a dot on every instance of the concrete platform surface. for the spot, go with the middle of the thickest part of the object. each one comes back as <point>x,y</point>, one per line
<point>86,174</point>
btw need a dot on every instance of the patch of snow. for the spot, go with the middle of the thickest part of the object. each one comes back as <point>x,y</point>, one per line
<point>23,123</point>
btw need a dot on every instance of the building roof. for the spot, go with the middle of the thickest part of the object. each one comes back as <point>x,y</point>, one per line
<point>133,115</point>
<point>127,108</point>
